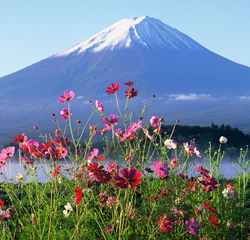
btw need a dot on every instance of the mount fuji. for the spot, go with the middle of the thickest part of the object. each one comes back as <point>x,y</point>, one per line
<point>190,82</point>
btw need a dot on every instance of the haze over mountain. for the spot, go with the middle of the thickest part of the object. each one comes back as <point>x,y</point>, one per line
<point>190,82</point>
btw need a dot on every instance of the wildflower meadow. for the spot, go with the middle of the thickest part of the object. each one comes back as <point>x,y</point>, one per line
<point>138,186</point>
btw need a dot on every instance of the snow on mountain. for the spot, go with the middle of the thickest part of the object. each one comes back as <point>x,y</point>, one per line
<point>143,31</point>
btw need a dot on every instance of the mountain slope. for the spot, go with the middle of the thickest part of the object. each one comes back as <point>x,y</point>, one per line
<point>159,59</point>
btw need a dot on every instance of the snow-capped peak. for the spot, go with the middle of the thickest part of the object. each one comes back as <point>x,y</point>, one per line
<point>143,31</point>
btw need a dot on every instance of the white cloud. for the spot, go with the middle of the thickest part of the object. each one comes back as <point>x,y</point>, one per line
<point>79,97</point>
<point>190,97</point>
<point>244,98</point>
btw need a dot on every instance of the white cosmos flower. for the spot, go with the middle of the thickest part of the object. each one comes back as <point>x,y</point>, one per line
<point>227,193</point>
<point>223,139</point>
<point>68,210</point>
<point>19,177</point>
<point>170,144</point>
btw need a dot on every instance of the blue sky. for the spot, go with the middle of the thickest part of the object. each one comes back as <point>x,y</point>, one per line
<point>34,30</point>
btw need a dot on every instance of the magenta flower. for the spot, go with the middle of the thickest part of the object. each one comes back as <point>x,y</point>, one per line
<point>162,170</point>
<point>114,88</point>
<point>154,121</point>
<point>134,127</point>
<point>111,121</point>
<point>66,97</point>
<point>147,134</point>
<point>192,226</point>
<point>99,106</point>
<point>65,113</point>
<point>191,149</point>
<point>119,132</point>
<point>130,178</point>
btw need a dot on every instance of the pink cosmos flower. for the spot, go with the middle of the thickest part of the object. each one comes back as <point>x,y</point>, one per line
<point>191,149</point>
<point>99,106</point>
<point>34,148</point>
<point>131,93</point>
<point>162,170</point>
<point>119,132</point>
<point>2,161</point>
<point>65,113</point>
<point>192,226</point>
<point>27,161</point>
<point>134,127</point>
<point>104,130</point>
<point>154,121</point>
<point>53,154</point>
<point>157,131</point>
<point>62,141</point>
<point>130,178</point>
<point>8,152</point>
<point>147,134</point>
<point>111,121</point>
<point>129,158</point>
<point>175,162</point>
<point>113,168</point>
<point>66,97</point>
<point>114,88</point>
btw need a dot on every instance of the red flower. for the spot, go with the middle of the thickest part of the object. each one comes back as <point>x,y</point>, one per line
<point>207,206</point>
<point>114,88</point>
<point>129,83</point>
<point>165,224</point>
<point>230,186</point>
<point>130,178</point>
<point>46,146</point>
<point>214,221</point>
<point>56,171</point>
<point>1,203</point>
<point>203,171</point>
<point>209,184</point>
<point>130,93</point>
<point>21,139</point>
<point>78,195</point>
<point>103,176</point>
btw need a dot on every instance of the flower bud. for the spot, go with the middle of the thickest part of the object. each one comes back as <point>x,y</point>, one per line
<point>223,139</point>
<point>35,127</point>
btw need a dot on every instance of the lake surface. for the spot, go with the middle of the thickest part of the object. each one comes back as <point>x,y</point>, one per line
<point>226,168</point>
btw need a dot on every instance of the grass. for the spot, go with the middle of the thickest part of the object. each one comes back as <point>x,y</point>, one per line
<point>121,202</point>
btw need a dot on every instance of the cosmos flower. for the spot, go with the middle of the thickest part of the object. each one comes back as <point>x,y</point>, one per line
<point>203,171</point>
<point>131,93</point>
<point>111,121</point>
<point>175,162</point>
<point>78,195</point>
<point>114,88</point>
<point>147,134</point>
<point>99,106</point>
<point>68,210</point>
<point>8,152</point>
<point>154,121</point>
<point>192,226</point>
<point>165,224</point>
<point>214,221</point>
<point>169,143</point>
<point>130,178</point>
<point>223,139</point>
<point>129,83</point>
<point>65,113</point>
<point>134,127</point>
<point>56,171</point>
<point>66,97</point>
<point>162,170</point>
